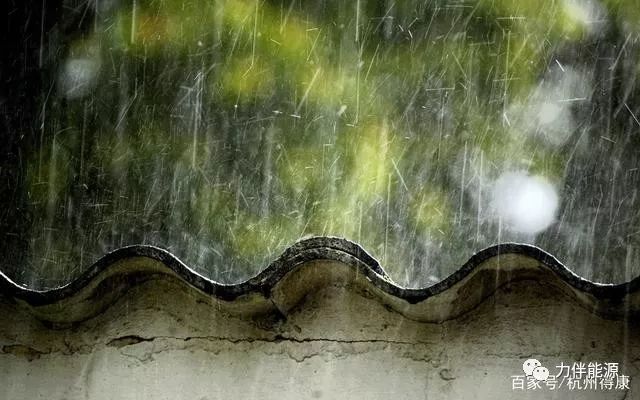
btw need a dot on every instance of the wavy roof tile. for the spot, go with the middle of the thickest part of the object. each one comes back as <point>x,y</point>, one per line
<point>318,261</point>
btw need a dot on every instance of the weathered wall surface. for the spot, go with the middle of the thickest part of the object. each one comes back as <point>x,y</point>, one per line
<point>335,337</point>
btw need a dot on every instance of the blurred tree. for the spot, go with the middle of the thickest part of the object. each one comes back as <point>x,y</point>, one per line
<point>226,130</point>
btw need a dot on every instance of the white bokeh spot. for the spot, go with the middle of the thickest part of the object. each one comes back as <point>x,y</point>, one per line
<point>523,203</point>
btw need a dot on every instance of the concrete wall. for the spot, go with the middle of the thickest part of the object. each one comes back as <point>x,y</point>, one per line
<point>337,336</point>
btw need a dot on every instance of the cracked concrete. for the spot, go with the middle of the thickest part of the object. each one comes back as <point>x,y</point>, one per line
<point>163,341</point>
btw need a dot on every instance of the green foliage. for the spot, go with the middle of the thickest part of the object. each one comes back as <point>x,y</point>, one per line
<point>226,130</point>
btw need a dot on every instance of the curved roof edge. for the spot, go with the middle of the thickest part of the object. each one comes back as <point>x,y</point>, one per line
<point>533,263</point>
